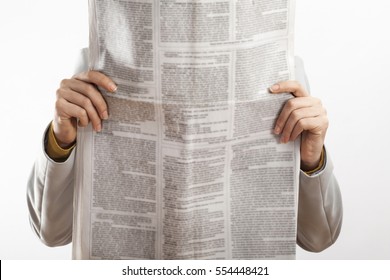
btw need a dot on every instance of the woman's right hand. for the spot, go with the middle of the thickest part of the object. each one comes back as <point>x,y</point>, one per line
<point>78,103</point>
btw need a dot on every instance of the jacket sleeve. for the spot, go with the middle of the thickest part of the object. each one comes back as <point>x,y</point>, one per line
<point>50,199</point>
<point>50,190</point>
<point>320,209</point>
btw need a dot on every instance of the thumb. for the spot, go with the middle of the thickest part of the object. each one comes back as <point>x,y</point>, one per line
<point>293,87</point>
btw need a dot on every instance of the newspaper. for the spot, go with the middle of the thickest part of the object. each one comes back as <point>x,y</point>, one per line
<point>187,166</point>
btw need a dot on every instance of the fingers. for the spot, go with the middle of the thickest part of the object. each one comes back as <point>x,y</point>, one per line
<point>85,108</point>
<point>97,78</point>
<point>69,110</point>
<point>67,116</point>
<point>88,80</point>
<point>303,115</point>
<point>290,86</point>
<point>311,124</point>
<point>292,105</point>
<point>89,91</point>
<point>298,115</point>
<point>79,99</point>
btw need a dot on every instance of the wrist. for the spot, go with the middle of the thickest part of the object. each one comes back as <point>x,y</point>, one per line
<point>311,167</point>
<point>308,166</point>
<point>64,138</point>
<point>63,145</point>
<point>53,149</point>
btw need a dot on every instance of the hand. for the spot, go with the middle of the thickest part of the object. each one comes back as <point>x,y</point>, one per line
<point>79,99</point>
<point>302,115</point>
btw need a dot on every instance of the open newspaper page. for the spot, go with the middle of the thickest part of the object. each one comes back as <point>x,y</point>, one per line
<point>187,166</point>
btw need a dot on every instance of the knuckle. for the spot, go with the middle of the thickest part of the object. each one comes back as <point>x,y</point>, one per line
<point>288,128</point>
<point>297,84</point>
<point>58,104</point>
<point>301,123</point>
<point>317,101</point>
<point>77,75</point>
<point>100,78</point>
<point>86,103</point>
<point>83,114</point>
<point>105,80</point>
<point>89,88</point>
<point>98,75</point>
<point>64,82</point>
<point>59,93</point>
<point>82,123</point>
<point>326,122</point>
<point>290,104</point>
<point>95,120</point>
<point>101,104</point>
<point>295,116</point>
<point>93,75</point>
<point>89,74</point>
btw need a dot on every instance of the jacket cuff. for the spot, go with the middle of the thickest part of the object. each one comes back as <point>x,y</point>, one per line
<point>321,166</point>
<point>52,149</point>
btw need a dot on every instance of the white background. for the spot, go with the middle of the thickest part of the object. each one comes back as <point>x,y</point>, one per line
<point>346,49</point>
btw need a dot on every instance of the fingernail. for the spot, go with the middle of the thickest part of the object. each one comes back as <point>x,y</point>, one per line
<point>98,128</point>
<point>274,88</point>
<point>113,87</point>
<point>277,130</point>
<point>283,140</point>
<point>105,115</point>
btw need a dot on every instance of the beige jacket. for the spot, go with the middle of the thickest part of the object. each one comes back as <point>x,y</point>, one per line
<point>50,197</point>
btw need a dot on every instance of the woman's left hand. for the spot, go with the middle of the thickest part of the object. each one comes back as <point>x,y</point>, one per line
<point>304,115</point>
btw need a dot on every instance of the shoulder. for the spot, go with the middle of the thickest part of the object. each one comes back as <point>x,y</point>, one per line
<point>300,74</point>
<point>299,66</point>
<point>82,62</point>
